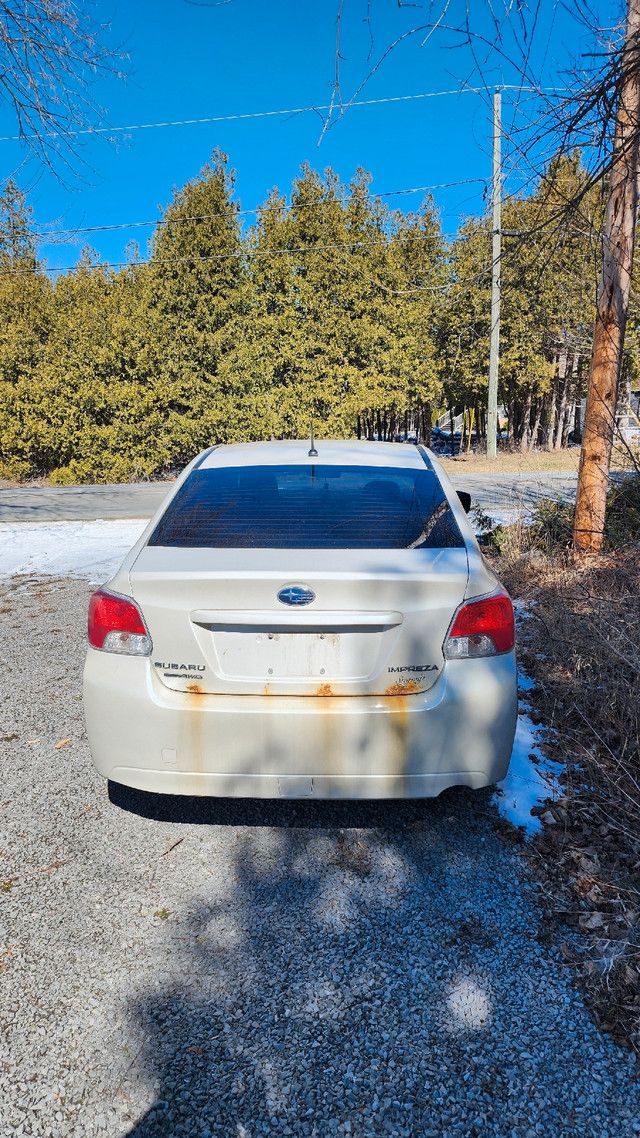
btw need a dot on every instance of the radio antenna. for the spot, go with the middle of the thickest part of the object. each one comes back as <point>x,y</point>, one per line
<point>313,452</point>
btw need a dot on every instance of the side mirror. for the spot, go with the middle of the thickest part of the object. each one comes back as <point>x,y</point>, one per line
<point>465,500</point>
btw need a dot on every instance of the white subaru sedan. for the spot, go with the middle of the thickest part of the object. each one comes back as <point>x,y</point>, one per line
<point>307,623</point>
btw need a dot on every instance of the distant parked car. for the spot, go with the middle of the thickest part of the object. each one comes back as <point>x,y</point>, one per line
<point>441,441</point>
<point>304,623</point>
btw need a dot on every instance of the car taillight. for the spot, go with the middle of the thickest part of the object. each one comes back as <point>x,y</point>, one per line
<point>117,625</point>
<point>481,628</point>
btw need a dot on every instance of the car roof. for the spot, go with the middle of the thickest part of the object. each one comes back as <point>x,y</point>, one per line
<point>295,452</point>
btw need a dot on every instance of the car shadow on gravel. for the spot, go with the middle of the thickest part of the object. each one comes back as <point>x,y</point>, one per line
<point>361,969</point>
<point>287,813</point>
<point>347,955</point>
<point>307,958</point>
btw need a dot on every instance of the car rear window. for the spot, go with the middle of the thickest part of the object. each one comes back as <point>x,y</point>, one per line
<point>309,507</point>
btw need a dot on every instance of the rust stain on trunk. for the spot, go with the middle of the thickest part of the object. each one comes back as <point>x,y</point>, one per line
<point>195,724</point>
<point>409,688</point>
<point>397,726</point>
<point>324,689</point>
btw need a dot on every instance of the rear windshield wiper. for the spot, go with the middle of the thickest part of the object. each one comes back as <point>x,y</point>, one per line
<point>430,525</point>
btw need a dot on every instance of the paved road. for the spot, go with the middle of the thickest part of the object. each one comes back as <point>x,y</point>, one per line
<point>81,503</point>
<point>141,500</point>
<point>505,491</point>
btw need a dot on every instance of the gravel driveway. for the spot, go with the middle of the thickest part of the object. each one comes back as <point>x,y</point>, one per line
<point>283,969</point>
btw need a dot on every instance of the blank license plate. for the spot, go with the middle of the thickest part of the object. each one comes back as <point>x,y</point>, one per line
<point>280,655</point>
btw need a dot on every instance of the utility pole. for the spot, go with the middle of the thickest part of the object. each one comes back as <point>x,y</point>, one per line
<point>612,300</point>
<point>494,349</point>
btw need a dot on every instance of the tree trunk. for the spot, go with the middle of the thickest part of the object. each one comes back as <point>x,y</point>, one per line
<point>472,416</point>
<point>624,397</point>
<point>566,426</point>
<point>511,424</point>
<point>427,424</point>
<point>564,374</point>
<point>535,430</point>
<point>526,424</point>
<point>543,418</point>
<point>576,396</point>
<point>613,300</point>
<point>577,421</point>
<point>552,415</point>
<point>479,428</point>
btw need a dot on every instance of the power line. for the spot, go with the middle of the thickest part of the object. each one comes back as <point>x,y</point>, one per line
<point>248,254</point>
<point>481,227</point>
<point>311,249</point>
<point>43,233</point>
<point>241,254</point>
<point>274,114</point>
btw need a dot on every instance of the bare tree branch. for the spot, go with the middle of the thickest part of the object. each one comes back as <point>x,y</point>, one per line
<point>51,52</point>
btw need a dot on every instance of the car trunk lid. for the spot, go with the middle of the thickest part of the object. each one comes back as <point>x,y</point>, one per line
<point>375,625</point>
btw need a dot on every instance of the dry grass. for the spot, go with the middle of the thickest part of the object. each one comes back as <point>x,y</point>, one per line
<point>512,462</point>
<point>580,642</point>
<point>537,462</point>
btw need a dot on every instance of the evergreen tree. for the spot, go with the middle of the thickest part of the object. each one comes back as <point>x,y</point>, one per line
<point>547,307</point>
<point>331,306</point>
<point>338,329</point>
<point>196,291</point>
<point>25,298</point>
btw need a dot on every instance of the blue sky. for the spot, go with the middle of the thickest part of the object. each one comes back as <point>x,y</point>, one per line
<point>191,61</point>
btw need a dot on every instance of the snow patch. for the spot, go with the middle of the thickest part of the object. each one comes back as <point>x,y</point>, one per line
<point>508,516</point>
<point>91,550</point>
<point>532,775</point>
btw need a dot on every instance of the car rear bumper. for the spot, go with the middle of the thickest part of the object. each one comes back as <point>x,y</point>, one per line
<point>459,733</point>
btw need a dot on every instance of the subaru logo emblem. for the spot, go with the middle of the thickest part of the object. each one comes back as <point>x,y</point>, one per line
<point>296,595</point>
